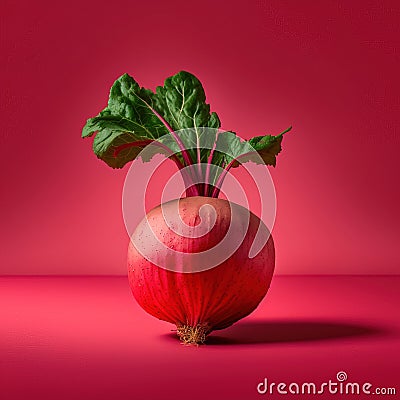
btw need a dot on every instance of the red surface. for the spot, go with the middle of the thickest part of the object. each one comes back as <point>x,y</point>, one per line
<point>329,68</point>
<point>85,338</point>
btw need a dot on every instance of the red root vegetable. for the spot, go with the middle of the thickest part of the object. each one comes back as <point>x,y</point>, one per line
<point>200,262</point>
<point>211,299</point>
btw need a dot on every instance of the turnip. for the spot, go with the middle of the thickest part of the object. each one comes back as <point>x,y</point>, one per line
<point>191,261</point>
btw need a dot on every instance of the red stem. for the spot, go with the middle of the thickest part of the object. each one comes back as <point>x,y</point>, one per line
<point>221,179</point>
<point>199,170</point>
<point>209,161</point>
<point>139,143</point>
<point>185,154</point>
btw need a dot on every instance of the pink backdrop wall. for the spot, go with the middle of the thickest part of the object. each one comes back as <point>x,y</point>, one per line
<point>329,68</point>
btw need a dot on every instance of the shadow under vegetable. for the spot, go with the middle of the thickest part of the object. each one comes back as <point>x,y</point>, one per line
<point>284,331</point>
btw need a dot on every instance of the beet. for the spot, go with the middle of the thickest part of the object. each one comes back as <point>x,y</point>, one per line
<point>171,271</point>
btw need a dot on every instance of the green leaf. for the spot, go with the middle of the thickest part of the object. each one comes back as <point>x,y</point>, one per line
<point>268,147</point>
<point>182,102</point>
<point>135,104</point>
<point>105,120</point>
<point>259,149</point>
<point>108,142</point>
<point>214,121</point>
<point>230,147</point>
<point>136,114</point>
<point>128,119</point>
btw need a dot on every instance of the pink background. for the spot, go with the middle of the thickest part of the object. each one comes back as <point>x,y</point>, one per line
<point>329,68</point>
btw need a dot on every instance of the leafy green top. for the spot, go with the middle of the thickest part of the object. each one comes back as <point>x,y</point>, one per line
<point>178,120</point>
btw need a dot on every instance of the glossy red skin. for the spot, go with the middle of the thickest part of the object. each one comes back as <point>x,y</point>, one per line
<point>216,297</point>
